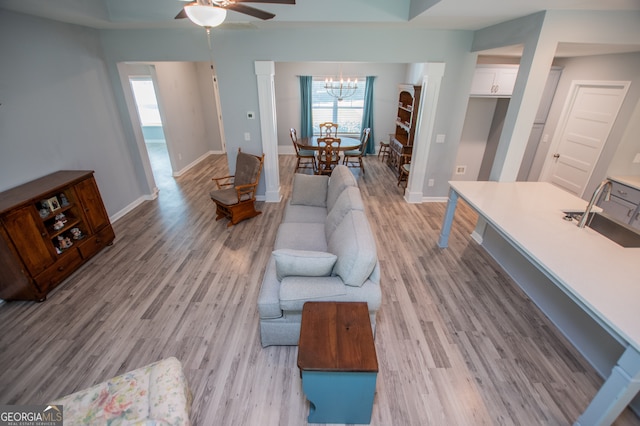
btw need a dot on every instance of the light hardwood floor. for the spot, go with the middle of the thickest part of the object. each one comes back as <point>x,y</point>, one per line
<point>457,342</point>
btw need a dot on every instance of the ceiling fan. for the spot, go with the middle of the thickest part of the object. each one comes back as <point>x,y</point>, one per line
<point>237,6</point>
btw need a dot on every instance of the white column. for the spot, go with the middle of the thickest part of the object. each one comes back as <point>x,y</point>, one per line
<point>265,71</point>
<point>432,80</point>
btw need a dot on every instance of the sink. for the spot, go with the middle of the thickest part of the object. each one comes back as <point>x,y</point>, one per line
<point>609,227</point>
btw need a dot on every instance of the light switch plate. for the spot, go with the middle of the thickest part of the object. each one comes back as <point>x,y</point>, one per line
<point>636,159</point>
<point>440,138</point>
<point>247,136</point>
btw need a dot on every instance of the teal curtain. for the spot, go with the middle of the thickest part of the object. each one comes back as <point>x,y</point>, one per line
<point>306,117</point>
<point>367,114</point>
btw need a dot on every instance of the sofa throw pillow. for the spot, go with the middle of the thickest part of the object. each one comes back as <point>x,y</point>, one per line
<point>303,263</point>
<point>309,190</point>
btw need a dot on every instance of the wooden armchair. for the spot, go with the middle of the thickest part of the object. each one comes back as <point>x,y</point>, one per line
<point>235,195</point>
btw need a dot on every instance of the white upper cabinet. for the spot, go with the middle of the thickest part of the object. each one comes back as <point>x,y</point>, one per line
<point>494,80</point>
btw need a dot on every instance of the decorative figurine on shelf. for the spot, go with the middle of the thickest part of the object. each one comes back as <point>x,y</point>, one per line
<point>61,217</point>
<point>64,242</point>
<point>58,225</point>
<point>63,200</point>
<point>76,233</point>
<point>44,212</point>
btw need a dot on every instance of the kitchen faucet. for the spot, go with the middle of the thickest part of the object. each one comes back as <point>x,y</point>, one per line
<point>605,185</point>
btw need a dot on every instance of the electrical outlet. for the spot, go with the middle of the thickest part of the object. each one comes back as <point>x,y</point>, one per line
<point>430,182</point>
<point>440,138</point>
<point>460,170</point>
<point>636,159</point>
<point>247,136</point>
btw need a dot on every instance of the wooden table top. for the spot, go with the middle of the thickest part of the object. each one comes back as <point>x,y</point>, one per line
<point>346,144</point>
<point>336,336</point>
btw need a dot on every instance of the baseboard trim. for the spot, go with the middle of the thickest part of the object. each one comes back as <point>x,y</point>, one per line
<point>114,218</point>
<point>192,164</point>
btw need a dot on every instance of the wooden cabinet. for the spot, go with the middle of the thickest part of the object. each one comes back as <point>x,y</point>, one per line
<point>406,121</point>
<point>49,227</point>
<point>494,80</point>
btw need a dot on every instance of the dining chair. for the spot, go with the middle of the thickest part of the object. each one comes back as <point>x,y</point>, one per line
<point>328,155</point>
<point>306,158</point>
<point>353,158</point>
<point>235,195</point>
<point>328,130</point>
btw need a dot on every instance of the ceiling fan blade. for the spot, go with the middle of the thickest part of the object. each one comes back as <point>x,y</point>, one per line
<point>251,11</point>
<point>267,1</point>
<point>182,14</point>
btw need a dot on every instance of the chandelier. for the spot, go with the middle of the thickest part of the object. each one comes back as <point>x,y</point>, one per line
<point>340,89</point>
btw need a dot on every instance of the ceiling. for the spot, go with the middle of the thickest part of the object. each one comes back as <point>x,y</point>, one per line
<point>432,14</point>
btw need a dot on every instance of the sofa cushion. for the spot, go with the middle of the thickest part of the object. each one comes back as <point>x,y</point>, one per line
<point>354,244</point>
<point>304,214</point>
<point>303,263</point>
<point>348,200</point>
<point>341,178</point>
<point>294,291</point>
<point>309,190</point>
<point>301,236</point>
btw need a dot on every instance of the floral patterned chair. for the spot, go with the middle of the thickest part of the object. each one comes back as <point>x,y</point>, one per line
<point>156,394</point>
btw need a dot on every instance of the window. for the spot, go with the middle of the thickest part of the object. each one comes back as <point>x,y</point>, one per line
<point>347,113</point>
<point>145,97</point>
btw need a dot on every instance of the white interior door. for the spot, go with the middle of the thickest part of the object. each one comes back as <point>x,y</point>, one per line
<point>588,115</point>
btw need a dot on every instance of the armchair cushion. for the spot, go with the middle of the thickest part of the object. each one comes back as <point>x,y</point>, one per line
<point>228,196</point>
<point>303,263</point>
<point>309,190</point>
<point>247,169</point>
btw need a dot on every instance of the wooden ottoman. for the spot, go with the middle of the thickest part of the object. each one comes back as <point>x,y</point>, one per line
<point>155,394</point>
<point>337,361</point>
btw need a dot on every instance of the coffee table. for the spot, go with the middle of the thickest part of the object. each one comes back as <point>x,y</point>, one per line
<point>337,361</point>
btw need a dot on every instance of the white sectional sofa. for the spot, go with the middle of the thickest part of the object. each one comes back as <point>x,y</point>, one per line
<point>324,251</point>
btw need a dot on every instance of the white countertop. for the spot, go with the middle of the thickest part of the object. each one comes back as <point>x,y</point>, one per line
<point>599,273</point>
<point>632,181</point>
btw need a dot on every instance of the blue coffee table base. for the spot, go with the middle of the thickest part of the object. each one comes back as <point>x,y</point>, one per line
<point>339,397</point>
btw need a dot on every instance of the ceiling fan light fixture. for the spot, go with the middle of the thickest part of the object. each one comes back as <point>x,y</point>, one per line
<point>205,16</point>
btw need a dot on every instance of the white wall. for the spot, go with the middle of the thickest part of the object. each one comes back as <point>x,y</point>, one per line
<point>180,94</point>
<point>622,163</point>
<point>58,110</point>
<point>474,137</point>
<point>624,136</point>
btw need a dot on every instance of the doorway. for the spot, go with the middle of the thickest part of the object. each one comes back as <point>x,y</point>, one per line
<point>144,94</point>
<point>585,123</point>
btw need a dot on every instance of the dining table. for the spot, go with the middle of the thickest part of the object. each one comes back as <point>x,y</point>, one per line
<point>346,143</point>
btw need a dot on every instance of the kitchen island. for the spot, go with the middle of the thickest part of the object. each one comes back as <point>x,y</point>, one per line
<point>586,284</point>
